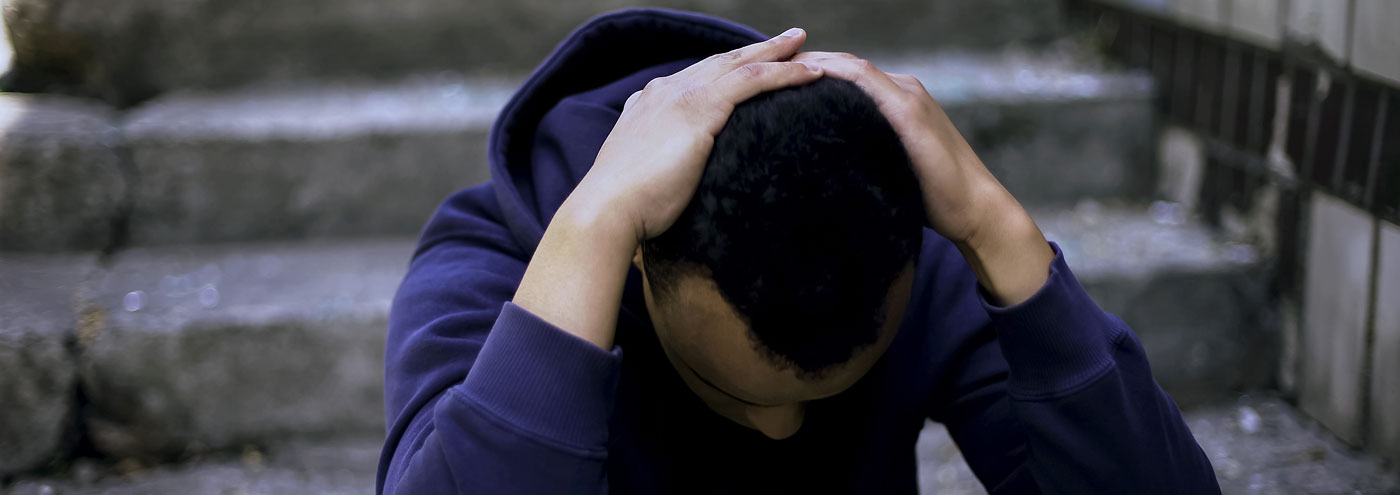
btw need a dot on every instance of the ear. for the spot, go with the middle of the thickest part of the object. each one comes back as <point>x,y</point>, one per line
<point>637,259</point>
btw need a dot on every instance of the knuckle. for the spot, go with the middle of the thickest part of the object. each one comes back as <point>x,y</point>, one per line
<point>750,72</point>
<point>906,100</point>
<point>730,57</point>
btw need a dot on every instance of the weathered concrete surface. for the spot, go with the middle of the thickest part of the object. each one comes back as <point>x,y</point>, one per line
<point>1197,304</point>
<point>346,160</point>
<point>1258,445</point>
<point>1052,125</point>
<point>322,161</point>
<point>296,467</point>
<point>1261,445</point>
<point>125,50</point>
<point>1333,343</point>
<point>1385,350</point>
<point>204,348</point>
<point>61,186</point>
<point>942,469</point>
<point>37,367</point>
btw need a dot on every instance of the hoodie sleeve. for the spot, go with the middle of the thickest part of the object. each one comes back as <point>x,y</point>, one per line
<point>1057,397</point>
<point>481,396</point>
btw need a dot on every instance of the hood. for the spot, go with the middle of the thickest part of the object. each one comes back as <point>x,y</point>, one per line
<point>547,136</point>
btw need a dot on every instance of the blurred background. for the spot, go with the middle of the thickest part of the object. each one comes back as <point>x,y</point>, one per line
<point>206,205</point>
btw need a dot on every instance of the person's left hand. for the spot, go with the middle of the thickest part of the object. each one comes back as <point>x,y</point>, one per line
<point>962,200</point>
<point>958,190</point>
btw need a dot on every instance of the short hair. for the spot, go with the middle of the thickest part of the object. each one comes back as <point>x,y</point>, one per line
<point>807,211</point>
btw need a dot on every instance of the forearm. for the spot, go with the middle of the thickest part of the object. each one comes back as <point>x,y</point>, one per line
<point>1081,387</point>
<point>576,276</point>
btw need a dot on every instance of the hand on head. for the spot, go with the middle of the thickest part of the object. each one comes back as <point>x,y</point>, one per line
<point>959,192</point>
<point>650,164</point>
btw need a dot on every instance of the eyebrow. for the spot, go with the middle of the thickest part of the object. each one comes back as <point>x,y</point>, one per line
<point>722,391</point>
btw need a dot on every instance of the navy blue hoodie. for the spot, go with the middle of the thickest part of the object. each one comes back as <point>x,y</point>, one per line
<point>1049,396</point>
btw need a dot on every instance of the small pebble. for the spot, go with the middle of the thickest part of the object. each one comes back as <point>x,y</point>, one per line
<point>1249,419</point>
<point>134,300</point>
<point>1231,469</point>
<point>208,296</point>
<point>85,471</point>
<point>1167,213</point>
<point>252,458</point>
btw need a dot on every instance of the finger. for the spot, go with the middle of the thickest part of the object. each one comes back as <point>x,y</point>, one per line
<point>873,81</point>
<point>752,79</point>
<point>779,47</point>
<point>631,100</point>
<point>821,55</point>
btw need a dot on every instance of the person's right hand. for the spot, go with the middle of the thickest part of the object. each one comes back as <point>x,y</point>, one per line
<point>641,181</point>
<point>651,163</point>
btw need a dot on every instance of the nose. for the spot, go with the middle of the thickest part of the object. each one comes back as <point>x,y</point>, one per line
<point>777,422</point>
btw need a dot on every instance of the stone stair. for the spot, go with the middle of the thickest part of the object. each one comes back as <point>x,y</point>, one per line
<point>211,269</point>
<point>293,162</point>
<point>1258,445</point>
<point>126,51</point>
<point>198,347</point>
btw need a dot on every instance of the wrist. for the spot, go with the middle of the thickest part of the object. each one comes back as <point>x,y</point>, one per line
<point>576,274</point>
<point>1002,221</point>
<point>597,225</point>
<point>1008,253</point>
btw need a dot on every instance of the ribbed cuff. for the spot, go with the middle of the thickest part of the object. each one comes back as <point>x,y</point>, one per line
<point>544,380</point>
<point>1055,341</point>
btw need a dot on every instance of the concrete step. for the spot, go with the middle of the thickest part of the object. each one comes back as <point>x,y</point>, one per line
<point>371,159</point>
<point>128,50</point>
<point>189,348</point>
<point>61,180</point>
<point>1258,445</point>
<point>343,465</point>
<point>200,348</point>
<point>330,160</point>
<point>1199,305</point>
<point>37,364</point>
<point>1052,125</point>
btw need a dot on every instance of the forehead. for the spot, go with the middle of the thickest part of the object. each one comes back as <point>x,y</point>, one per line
<point>707,335</point>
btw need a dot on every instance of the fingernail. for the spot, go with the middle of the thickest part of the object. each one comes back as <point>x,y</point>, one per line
<point>811,66</point>
<point>791,32</point>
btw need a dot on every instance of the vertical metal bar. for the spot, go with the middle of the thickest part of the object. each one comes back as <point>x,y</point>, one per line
<point>1140,41</point>
<point>1377,139</point>
<point>1229,104</point>
<point>1257,99</point>
<point>1344,142</point>
<point>1181,82</point>
<point>1310,132</point>
<point>1208,64</point>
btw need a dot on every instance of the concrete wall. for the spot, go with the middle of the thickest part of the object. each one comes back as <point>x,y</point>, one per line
<point>1356,32</point>
<point>1341,356</point>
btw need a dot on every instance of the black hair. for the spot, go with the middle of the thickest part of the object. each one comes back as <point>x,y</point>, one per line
<point>807,211</point>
